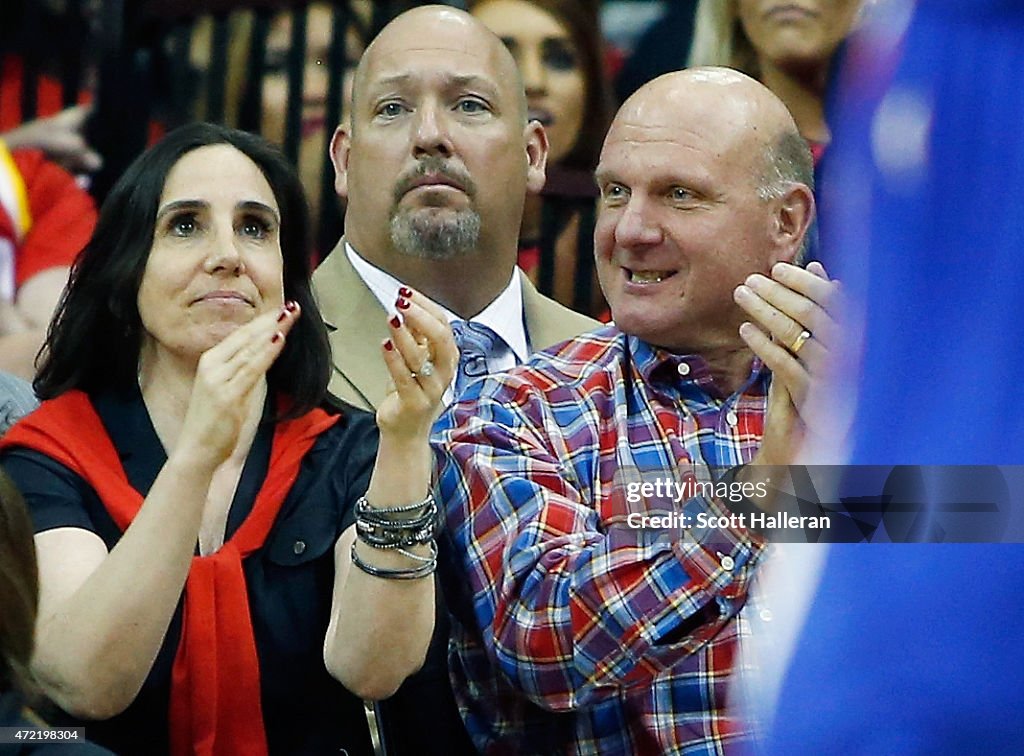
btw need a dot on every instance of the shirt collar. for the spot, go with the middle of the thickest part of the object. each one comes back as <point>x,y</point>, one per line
<point>504,315</point>
<point>661,368</point>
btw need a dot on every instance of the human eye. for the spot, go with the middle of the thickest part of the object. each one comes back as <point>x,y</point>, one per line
<point>471,105</point>
<point>390,109</point>
<point>560,55</point>
<point>613,193</point>
<point>680,194</point>
<point>183,224</point>
<point>275,62</point>
<point>255,227</point>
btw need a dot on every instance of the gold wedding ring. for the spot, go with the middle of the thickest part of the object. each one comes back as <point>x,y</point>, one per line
<point>799,342</point>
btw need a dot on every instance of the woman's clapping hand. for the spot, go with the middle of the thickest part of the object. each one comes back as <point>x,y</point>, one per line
<point>421,357</point>
<point>226,378</point>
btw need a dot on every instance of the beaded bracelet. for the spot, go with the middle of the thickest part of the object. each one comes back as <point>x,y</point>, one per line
<point>367,514</point>
<point>424,570</point>
<point>386,533</point>
<point>362,505</point>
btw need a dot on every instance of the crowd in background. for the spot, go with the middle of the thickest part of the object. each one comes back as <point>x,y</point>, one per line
<point>272,72</point>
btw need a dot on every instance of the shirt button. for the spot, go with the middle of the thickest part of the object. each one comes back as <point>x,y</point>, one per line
<point>766,615</point>
<point>298,547</point>
<point>683,369</point>
<point>732,419</point>
<point>728,563</point>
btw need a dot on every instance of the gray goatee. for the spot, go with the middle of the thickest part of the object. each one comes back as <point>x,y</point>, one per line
<point>435,233</point>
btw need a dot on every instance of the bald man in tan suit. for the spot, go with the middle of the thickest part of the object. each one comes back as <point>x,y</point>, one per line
<point>435,166</point>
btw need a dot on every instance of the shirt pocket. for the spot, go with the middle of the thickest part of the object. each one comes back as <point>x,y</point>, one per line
<point>303,536</point>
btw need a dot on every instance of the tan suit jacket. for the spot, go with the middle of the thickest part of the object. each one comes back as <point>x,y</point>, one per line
<point>357,319</point>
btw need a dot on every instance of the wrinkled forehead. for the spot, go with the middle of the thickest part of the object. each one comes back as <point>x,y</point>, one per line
<point>454,41</point>
<point>724,127</point>
<point>433,58</point>
<point>629,137</point>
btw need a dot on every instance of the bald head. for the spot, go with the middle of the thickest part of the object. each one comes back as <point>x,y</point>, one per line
<point>438,157</point>
<point>444,28</point>
<point>732,110</point>
<point>688,212</point>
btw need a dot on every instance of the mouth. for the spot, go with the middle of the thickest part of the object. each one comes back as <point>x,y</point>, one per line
<point>546,117</point>
<point>433,181</point>
<point>434,173</point>
<point>223,297</point>
<point>790,12</point>
<point>313,125</point>
<point>648,277</point>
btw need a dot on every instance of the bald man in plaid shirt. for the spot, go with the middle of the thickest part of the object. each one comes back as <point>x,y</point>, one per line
<point>576,630</point>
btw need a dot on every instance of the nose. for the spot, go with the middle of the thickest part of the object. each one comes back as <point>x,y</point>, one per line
<point>224,257</point>
<point>431,136</point>
<point>635,228</point>
<point>534,74</point>
<point>314,85</point>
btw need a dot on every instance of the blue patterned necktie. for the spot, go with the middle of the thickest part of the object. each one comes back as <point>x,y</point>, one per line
<point>476,343</point>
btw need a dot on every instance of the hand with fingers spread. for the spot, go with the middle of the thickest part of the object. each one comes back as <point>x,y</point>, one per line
<point>793,329</point>
<point>421,358</point>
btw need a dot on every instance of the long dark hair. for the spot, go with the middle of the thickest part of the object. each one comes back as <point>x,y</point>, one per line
<point>96,334</point>
<point>19,590</point>
<point>581,20</point>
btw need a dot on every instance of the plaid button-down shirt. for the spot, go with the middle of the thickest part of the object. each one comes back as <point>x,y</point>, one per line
<point>574,632</point>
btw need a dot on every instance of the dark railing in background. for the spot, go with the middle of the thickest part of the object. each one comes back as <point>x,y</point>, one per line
<point>157,39</point>
<point>567,194</point>
<point>135,58</point>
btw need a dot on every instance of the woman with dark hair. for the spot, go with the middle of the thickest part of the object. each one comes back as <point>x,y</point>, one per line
<point>221,560</point>
<point>558,47</point>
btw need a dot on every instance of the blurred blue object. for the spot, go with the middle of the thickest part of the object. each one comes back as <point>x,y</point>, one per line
<point>916,649</point>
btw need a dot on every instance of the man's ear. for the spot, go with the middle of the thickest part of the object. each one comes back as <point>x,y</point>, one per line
<point>794,213</point>
<point>341,148</point>
<point>536,157</point>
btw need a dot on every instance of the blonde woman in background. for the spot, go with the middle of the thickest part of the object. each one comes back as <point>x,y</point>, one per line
<point>789,45</point>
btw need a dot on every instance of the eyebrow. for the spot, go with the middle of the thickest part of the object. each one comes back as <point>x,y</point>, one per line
<point>193,204</point>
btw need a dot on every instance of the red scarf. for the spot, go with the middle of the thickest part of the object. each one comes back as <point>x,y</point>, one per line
<point>215,683</point>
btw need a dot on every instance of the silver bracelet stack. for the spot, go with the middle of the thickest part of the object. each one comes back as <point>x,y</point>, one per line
<point>377,527</point>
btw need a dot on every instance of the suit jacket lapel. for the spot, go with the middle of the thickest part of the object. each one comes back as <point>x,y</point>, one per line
<point>356,323</point>
<point>548,322</point>
<point>357,328</point>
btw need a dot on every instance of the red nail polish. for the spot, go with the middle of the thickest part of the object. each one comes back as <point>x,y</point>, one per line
<point>405,291</point>
<point>281,317</point>
<point>277,337</point>
<point>402,303</point>
<point>389,345</point>
<point>291,306</point>
<point>396,322</point>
